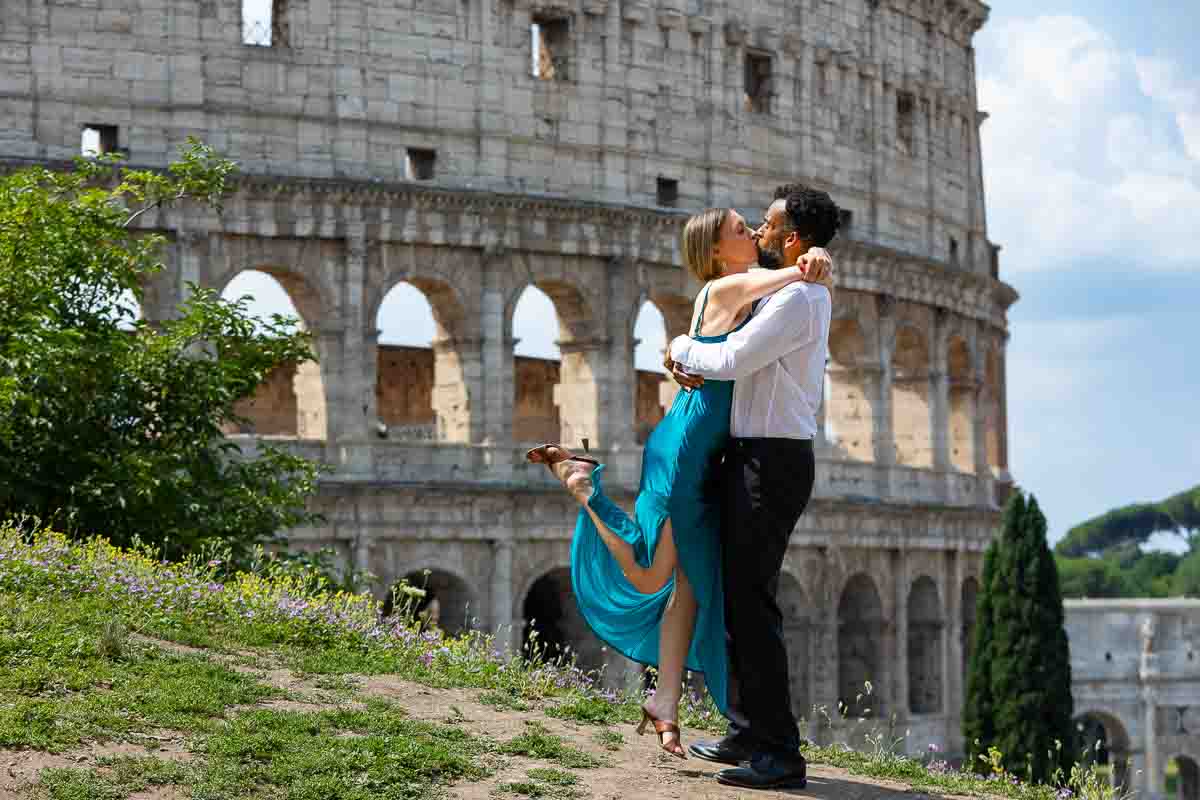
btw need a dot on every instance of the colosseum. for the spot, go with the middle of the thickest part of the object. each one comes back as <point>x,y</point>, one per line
<point>473,148</point>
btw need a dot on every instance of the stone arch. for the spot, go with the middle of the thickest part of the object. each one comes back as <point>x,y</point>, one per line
<point>292,401</point>
<point>1186,778</point>
<point>850,379</point>
<point>568,391</point>
<point>911,426</point>
<point>993,388</point>
<point>924,647</point>
<point>421,387</point>
<point>1104,739</point>
<point>536,416</point>
<point>961,435</point>
<point>969,605</point>
<point>860,647</point>
<point>796,610</point>
<point>301,266</point>
<point>448,604</point>
<point>553,627</point>
<point>653,388</point>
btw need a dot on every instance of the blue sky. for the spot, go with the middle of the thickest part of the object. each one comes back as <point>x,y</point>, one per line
<point>1092,171</point>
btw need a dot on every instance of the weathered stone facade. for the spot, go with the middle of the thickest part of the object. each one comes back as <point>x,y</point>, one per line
<point>413,141</point>
<point>1135,673</point>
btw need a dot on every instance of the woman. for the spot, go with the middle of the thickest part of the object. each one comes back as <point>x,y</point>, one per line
<point>642,591</point>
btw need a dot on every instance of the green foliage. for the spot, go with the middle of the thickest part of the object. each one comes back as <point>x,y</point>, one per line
<point>1133,524</point>
<point>1186,579</point>
<point>1094,577</point>
<point>1025,655</point>
<point>537,742</point>
<point>110,425</point>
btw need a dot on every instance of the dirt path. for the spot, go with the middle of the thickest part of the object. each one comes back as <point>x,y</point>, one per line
<point>637,769</point>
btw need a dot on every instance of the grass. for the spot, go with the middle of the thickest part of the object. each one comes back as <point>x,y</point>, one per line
<point>537,742</point>
<point>609,740</point>
<point>543,782</point>
<point>75,665</point>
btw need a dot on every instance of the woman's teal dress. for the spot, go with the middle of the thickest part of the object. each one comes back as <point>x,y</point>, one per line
<point>677,462</point>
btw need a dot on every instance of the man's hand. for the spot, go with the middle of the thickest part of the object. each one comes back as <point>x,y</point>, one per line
<point>818,267</point>
<point>686,382</point>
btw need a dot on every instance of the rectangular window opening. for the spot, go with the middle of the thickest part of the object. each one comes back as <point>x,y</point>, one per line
<point>758,82</point>
<point>845,220</point>
<point>264,23</point>
<point>953,251</point>
<point>905,111</point>
<point>99,139</point>
<point>421,162</point>
<point>668,192</point>
<point>551,39</point>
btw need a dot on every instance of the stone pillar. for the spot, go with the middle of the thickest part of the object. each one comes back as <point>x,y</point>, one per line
<point>457,378</point>
<point>881,406</point>
<point>951,649</point>
<point>900,640</point>
<point>495,355</point>
<point>1153,767</point>
<point>953,689</point>
<point>502,594</point>
<point>986,495</point>
<point>939,393</point>
<point>578,394</point>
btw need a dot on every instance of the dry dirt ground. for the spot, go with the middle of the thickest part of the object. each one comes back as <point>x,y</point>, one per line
<point>638,769</point>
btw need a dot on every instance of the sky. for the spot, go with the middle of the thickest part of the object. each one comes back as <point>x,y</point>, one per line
<point>1091,159</point>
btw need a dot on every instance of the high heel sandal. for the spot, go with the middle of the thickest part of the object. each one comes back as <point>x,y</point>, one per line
<point>551,454</point>
<point>661,727</point>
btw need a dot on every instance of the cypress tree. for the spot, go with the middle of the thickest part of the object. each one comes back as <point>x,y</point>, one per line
<point>1026,709</point>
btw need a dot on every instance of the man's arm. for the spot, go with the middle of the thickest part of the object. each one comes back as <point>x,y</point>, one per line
<point>788,321</point>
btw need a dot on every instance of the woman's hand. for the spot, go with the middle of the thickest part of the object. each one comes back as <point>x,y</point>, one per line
<point>817,266</point>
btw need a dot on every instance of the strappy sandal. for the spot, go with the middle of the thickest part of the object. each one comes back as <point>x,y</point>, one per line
<point>661,727</point>
<point>551,454</point>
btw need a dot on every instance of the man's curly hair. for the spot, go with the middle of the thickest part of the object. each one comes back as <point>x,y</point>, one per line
<point>812,213</point>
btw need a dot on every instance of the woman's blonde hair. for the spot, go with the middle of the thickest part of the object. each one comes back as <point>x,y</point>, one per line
<point>700,237</point>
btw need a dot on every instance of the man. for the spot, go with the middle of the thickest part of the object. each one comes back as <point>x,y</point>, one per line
<point>778,363</point>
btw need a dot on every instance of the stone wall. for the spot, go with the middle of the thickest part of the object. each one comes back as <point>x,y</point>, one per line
<point>1135,671</point>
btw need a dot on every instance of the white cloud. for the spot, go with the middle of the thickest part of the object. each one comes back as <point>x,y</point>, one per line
<point>1089,150</point>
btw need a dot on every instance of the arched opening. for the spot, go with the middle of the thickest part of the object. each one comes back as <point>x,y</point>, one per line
<point>447,604</point>
<point>1104,742</point>
<point>537,368</point>
<point>860,626</point>
<point>797,622</point>
<point>405,381</point>
<point>554,628</point>
<point>650,332</point>
<point>924,648</point>
<point>1182,781</point>
<point>970,602</point>
<point>291,401</point>
<point>962,406</point>
<point>911,427</point>
<point>849,418</point>
<point>993,430</point>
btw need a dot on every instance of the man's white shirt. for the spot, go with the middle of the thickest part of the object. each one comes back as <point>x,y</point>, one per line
<point>777,360</point>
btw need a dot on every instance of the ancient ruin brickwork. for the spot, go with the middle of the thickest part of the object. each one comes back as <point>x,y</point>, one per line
<point>416,140</point>
<point>1135,673</point>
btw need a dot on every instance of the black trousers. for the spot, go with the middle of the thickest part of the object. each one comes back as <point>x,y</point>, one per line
<point>767,484</point>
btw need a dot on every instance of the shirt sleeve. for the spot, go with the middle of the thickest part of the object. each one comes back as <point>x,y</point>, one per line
<point>789,320</point>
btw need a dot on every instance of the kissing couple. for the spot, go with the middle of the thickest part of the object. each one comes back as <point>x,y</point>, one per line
<point>689,580</point>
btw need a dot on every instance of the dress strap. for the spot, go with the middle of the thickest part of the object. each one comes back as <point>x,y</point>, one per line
<point>703,305</point>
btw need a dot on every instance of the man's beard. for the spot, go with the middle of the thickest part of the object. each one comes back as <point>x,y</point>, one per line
<point>769,258</point>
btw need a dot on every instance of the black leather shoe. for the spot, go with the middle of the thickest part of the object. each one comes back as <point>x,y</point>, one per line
<point>768,772</point>
<point>723,751</point>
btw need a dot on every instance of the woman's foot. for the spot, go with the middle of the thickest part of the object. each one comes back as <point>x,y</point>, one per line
<point>665,725</point>
<point>574,472</point>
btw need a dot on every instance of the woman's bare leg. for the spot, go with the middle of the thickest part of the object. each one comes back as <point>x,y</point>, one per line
<point>647,580</point>
<point>675,637</point>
